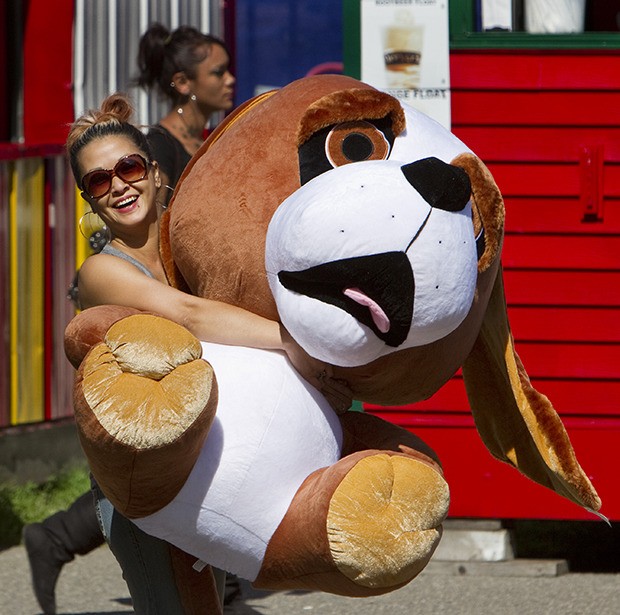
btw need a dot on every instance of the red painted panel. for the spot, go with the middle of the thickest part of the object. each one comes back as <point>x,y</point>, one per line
<point>559,215</point>
<point>450,398</point>
<point>562,252</point>
<point>537,180</point>
<point>482,486</point>
<point>563,288</point>
<point>535,70</point>
<point>509,143</point>
<point>543,108</point>
<point>582,397</point>
<point>552,180</point>
<point>548,360</point>
<point>565,324</point>
<point>48,97</point>
<point>585,398</point>
<point>4,63</point>
<point>529,115</point>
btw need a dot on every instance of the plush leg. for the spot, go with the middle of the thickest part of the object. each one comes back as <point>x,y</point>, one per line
<point>147,372</point>
<point>364,526</point>
<point>201,591</point>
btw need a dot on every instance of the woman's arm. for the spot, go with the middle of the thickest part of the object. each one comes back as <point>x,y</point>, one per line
<point>106,279</point>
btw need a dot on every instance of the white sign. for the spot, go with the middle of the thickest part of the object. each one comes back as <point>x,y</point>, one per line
<point>405,52</point>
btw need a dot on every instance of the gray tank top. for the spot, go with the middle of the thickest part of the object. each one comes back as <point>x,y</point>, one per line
<point>108,249</point>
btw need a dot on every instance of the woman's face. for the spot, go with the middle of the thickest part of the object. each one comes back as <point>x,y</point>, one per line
<point>213,84</point>
<point>127,203</point>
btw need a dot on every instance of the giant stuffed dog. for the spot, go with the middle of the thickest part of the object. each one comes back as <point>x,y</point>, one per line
<point>375,236</point>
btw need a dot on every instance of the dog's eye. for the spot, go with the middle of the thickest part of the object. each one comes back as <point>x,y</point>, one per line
<point>355,142</point>
<point>345,143</point>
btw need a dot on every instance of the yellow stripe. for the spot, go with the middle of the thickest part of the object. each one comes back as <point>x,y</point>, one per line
<point>13,292</point>
<point>82,247</point>
<point>27,271</point>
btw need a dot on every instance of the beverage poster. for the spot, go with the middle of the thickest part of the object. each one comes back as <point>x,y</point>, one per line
<point>405,52</point>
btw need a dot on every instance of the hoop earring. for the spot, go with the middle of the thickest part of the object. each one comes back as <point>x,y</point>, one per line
<point>89,227</point>
<point>163,206</point>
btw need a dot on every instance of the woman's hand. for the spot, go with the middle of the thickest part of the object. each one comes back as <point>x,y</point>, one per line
<point>317,373</point>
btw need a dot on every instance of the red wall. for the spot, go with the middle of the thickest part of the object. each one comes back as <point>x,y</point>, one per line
<point>4,108</point>
<point>48,48</point>
<point>548,126</point>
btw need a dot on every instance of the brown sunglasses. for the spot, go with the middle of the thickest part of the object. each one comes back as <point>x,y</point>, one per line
<point>130,169</point>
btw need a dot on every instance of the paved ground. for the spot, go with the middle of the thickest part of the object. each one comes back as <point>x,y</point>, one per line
<point>92,585</point>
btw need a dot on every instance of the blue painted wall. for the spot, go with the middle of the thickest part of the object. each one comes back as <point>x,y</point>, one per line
<point>278,41</point>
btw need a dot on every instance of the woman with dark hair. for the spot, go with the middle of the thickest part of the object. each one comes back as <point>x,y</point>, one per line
<point>191,71</point>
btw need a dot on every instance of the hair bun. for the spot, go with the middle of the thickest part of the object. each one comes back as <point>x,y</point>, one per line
<point>118,107</point>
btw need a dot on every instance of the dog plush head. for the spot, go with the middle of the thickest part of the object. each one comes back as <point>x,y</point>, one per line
<point>375,236</point>
<point>365,227</point>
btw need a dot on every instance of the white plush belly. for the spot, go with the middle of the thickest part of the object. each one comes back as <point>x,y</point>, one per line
<point>271,431</point>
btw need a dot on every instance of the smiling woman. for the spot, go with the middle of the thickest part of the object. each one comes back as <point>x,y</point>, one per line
<point>112,163</point>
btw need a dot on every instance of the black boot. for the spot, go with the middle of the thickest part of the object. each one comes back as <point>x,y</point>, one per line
<point>46,562</point>
<point>55,541</point>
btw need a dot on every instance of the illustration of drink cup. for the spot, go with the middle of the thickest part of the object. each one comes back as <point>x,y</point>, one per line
<point>402,45</point>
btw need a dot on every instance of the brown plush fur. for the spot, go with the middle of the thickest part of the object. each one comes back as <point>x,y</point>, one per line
<point>241,198</point>
<point>198,590</point>
<point>89,327</point>
<point>488,207</point>
<point>217,222</point>
<point>354,104</point>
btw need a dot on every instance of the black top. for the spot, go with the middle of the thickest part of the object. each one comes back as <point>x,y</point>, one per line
<point>169,153</point>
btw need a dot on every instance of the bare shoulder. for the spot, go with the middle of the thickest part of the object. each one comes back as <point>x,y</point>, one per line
<point>104,278</point>
<point>106,265</point>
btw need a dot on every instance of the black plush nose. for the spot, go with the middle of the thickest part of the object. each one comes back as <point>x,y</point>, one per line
<point>441,185</point>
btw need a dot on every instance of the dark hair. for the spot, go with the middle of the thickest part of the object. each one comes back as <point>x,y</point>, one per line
<point>162,53</point>
<point>113,118</point>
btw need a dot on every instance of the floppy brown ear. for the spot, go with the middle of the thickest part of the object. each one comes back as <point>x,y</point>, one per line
<point>517,423</point>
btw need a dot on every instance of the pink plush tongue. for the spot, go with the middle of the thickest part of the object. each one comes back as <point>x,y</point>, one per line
<point>379,317</point>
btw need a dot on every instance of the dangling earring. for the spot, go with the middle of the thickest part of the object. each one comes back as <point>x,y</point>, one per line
<point>193,97</point>
<point>90,228</point>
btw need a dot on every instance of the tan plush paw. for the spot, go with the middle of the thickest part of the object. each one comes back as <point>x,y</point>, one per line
<point>144,401</point>
<point>384,519</point>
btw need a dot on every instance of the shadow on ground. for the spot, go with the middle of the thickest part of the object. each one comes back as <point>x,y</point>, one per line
<point>588,546</point>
